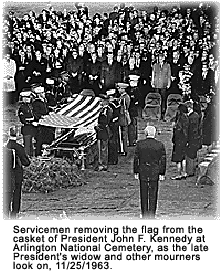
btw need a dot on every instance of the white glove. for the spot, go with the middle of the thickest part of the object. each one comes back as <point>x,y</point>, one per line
<point>35,124</point>
<point>162,178</point>
<point>136,176</point>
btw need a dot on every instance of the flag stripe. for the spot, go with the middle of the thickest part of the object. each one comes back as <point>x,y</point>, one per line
<point>76,110</point>
<point>78,101</point>
<point>87,117</point>
<point>85,110</point>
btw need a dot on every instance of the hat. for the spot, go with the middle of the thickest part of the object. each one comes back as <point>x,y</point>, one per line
<point>36,85</point>
<point>37,88</point>
<point>104,96</point>
<point>189,104</point>
<point>49,81</point>
<point>110,92</point>
<point>64,74</point>
<point>121,85</point>
<point>25,93</point>
<point>133,77</point>
<point>12,132</point>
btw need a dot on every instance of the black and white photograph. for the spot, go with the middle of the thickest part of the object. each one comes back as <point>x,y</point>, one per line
<point>110,110</point>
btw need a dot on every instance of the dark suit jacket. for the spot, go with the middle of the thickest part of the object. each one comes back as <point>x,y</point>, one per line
<point>21,159</point>
<point>150,159</point>
<point>8,170</point>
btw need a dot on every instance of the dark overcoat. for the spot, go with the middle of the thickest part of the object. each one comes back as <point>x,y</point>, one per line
<point>150,159</point>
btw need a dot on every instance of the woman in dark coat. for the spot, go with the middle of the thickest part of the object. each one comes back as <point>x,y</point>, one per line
<point>180,135</point>
<point>209,124</point>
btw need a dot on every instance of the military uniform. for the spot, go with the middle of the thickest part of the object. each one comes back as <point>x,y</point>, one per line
<point>133,112</point>
<point>28,131</point>
<point>103,133</point>
<point>124,119</point>
<point>44,135</point>
<point>114,131</point>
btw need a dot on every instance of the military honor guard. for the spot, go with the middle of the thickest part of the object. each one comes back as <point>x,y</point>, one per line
<point>103,134</point>
<point>44,135</point>
<point>133,108</point>
<point>26,117</point>
<point>124,118</point>
<point>114,126</point>
<point>50,94</point>
<point>65,84</point>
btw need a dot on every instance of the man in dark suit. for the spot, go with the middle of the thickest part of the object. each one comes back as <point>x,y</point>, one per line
<point>21,159</point>
<point>149,167</point>
<point>8,177</point>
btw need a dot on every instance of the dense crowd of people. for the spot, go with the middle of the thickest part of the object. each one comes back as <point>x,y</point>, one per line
<point>120,56</point>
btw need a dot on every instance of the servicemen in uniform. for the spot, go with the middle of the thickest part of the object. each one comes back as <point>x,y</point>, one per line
<point>44,135</point>
<point>124,118</point>
<point>103,133</point>
<point>21,159</point>
<point>114,126</point>
<point>133,109</point>
<point>26,117</point>
<point>66,85</point>
<point>50,95</point>
<point>149,167</point>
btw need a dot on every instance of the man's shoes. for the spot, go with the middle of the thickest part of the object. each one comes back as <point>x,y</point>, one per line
<point>131,145</point>
<point>123,153</point>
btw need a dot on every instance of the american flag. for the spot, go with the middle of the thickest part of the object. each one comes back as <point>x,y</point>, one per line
<point>80,116</point>
<point>82,112</point>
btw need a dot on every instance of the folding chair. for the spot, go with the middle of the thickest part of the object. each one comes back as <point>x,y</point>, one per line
<point>152,107</point>
<point>173,102</point>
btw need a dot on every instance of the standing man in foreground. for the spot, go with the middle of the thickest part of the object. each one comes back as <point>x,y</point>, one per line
<point>149,167</point>
<point>21,159</point>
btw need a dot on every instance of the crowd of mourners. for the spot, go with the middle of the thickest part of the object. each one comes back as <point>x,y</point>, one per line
<point>127,53</point>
